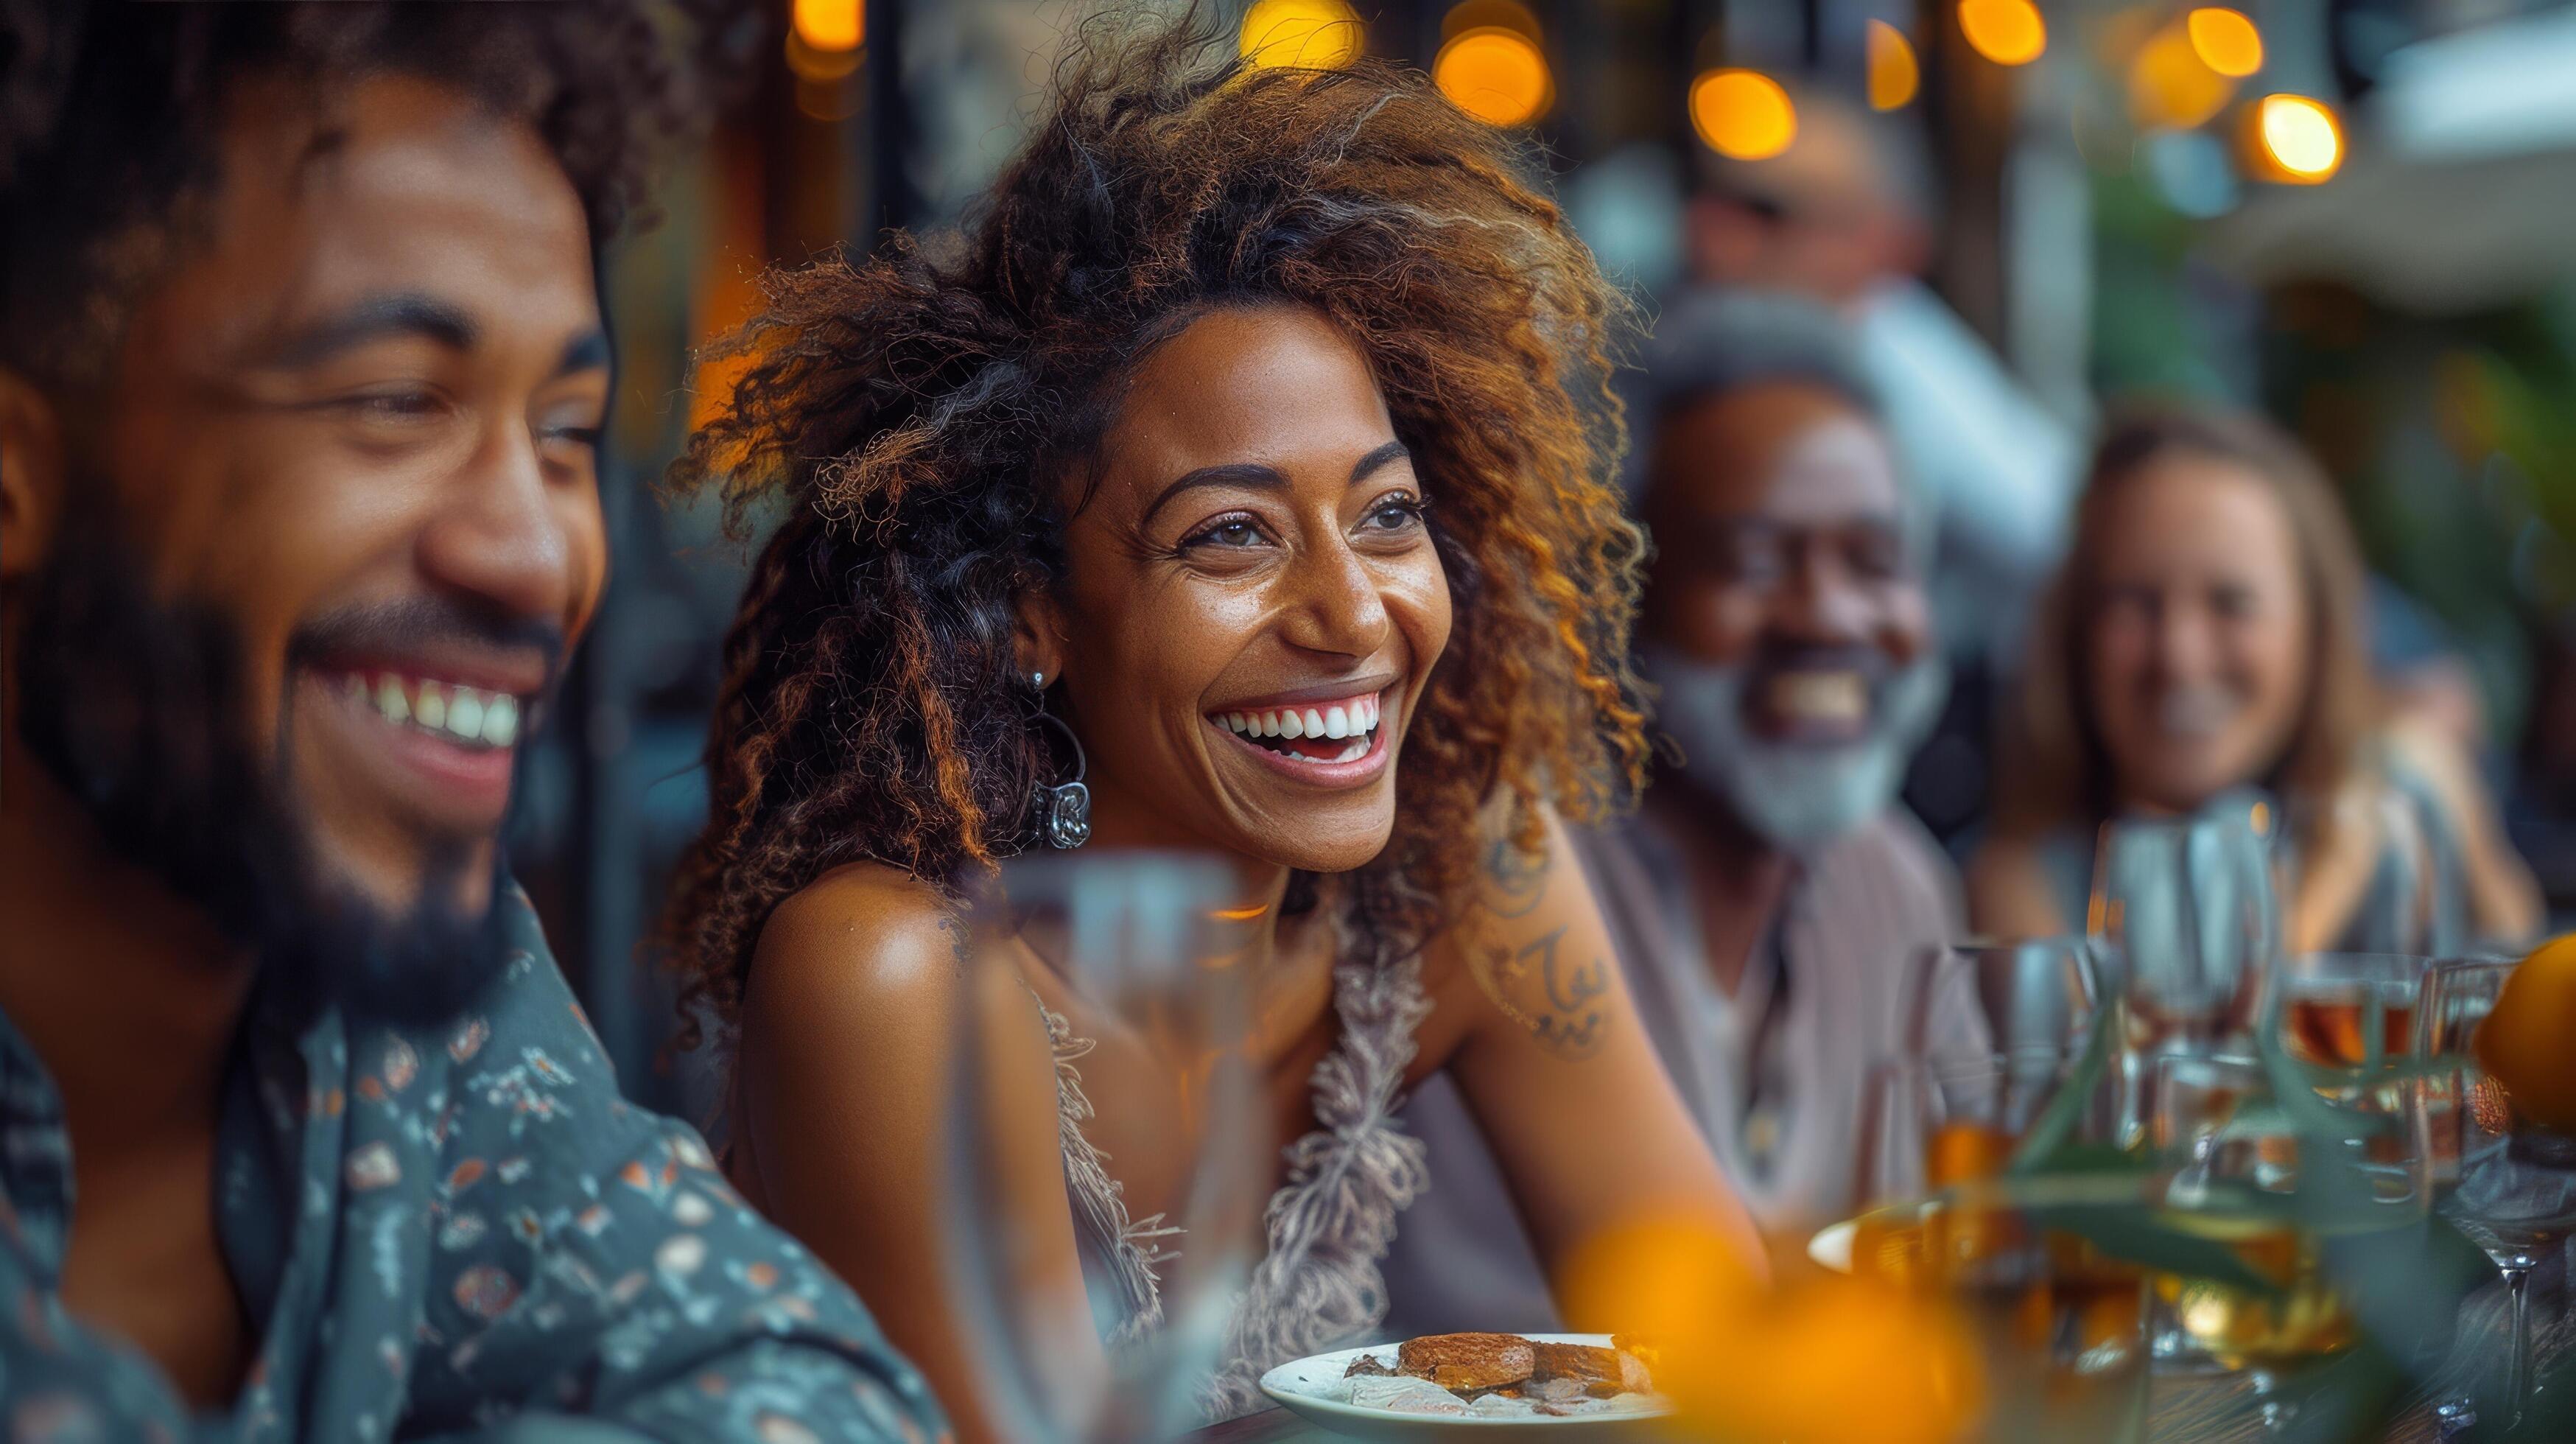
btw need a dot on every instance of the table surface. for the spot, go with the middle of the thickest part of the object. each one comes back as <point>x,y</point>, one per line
<point>2217,1410</point>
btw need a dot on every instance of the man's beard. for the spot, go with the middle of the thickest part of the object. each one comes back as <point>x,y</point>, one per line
<point>1798,797</point>
<point>138,708</point>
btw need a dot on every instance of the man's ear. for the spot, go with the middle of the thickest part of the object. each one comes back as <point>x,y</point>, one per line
<point>31,476</point>
<point>1038,636</point>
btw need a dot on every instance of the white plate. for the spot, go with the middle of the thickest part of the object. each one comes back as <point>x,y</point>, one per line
<point>1292,1385</point>
<point>1833,1247</point>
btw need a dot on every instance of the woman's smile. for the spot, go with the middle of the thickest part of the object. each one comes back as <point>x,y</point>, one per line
<point>1335,740</point>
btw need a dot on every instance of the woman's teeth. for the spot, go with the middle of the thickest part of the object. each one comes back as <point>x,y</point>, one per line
<point>465,716</point>
<point>1355,719</point>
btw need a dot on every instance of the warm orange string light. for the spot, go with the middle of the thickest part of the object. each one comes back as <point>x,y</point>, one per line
<point>2007,32</point>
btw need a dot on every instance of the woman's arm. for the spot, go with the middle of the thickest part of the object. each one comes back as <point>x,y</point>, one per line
<point>1549,1055</point>
<point>2504,899</point>
<point>2009,895</point>
<point>858,1004</point>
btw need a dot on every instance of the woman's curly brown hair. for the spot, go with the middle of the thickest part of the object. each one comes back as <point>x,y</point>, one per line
<point>924,418</point>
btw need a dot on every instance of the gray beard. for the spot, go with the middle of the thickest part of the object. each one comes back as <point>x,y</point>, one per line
<point>1797,797</point>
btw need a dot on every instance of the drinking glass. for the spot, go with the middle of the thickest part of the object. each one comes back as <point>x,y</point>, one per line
<point>2185,925</point>
<point>2298,1210</point>
<point>2059,1326</point>
<point>2370,877</point>
<point>1132,966</point>
<point>2033,996</point>
<point>2508,1185</point>
<point>2348,1010</point>
<point>1953,1119</point>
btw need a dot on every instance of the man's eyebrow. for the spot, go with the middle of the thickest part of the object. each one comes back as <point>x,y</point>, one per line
<point>588,352</point>
<point>373,318</point>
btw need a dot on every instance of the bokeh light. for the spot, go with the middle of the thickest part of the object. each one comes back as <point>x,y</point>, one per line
<point>1742,114</point>
<point>2007,32</point>
<point>1495,75</point>
<point>1302,34</point>
<point>2225,40</point>
<point>831,25</point>
<point>1894,74</point>
<point>2300,136</point>
<point>2171,86</point>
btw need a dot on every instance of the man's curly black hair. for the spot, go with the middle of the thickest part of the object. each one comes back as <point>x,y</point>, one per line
<point>110,114</point>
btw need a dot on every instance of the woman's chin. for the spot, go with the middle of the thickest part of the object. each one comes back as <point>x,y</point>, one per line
<point>1323,850</point>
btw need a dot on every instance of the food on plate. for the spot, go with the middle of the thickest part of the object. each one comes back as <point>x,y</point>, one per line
<point>1467,1362</point>
<point>1503,1376</point>
<point>1600,1371</point>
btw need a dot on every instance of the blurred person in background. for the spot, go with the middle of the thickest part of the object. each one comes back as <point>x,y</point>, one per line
<point>302,377</point>
<point>1839,217</point>
<point>1258,435</point>
<point>2206,637</point>
<point>1768,896</point>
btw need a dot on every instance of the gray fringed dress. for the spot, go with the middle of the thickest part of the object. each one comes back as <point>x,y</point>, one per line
<point>1317,1286</point>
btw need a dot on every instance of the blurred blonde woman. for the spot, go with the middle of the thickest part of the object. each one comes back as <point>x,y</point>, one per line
<point>2205,639</point>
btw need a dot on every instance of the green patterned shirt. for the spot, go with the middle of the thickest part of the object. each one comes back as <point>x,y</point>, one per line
<point>453,1231</point>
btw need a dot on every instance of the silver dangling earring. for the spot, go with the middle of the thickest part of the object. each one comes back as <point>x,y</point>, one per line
<point>1064,809</point>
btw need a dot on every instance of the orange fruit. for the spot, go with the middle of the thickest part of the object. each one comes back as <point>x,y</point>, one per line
<point>2523,1044</point>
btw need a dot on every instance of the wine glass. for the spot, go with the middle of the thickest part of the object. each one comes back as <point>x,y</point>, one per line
<point>2370,877</point>
<point>2298,1208</point>
<point>2508,1185</point>
<point>2185,924</point>
<point>1131,967</point>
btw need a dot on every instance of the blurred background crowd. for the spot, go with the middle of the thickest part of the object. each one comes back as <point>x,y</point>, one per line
<point>2348,216</point>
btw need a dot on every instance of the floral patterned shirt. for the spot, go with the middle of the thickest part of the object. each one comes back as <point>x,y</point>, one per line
<point>457,1231</point>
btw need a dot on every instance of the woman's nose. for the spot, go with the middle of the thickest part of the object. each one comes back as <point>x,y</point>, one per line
<point>1336,607</point>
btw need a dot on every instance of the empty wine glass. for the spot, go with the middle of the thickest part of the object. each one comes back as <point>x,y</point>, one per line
<point>2371,879</point>
<point>2184,923</point>
<point>2508,1185</point>
<point>1129,964</point>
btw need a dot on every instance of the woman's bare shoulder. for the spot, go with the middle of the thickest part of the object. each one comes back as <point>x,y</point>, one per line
<point>863,936</point>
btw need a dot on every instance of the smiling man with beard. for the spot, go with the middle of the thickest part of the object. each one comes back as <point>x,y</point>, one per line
<point>302,373</point>
<point>1768,894</point>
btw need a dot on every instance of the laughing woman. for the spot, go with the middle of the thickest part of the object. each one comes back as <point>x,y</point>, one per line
<point>1257,430</point>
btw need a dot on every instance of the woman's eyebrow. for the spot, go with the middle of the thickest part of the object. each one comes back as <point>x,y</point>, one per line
<point>1250,474</point>
<point>1385,455</point>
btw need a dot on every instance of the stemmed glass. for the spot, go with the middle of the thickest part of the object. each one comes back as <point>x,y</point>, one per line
<point>2298,1193</point>
<point>2185,924</point>
<point>2507,1185</point>
<point>1131,967</point>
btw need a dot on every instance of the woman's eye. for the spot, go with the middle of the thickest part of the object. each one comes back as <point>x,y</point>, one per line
<point>1395,514</point>
<point>397,406</point>
<point>1231,532</point>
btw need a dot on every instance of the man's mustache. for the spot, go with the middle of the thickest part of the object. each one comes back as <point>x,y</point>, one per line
<point>414,623</point>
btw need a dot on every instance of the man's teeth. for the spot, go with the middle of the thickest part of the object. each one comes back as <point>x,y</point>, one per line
<point>1837,697</point>
<point>468,716</point>
<point>1355,719</point>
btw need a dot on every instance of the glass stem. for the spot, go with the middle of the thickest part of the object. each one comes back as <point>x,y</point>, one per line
<point>2517,1376</point>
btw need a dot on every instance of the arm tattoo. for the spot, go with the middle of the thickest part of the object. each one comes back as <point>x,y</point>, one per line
<point>1569,1021</point>
<point>1516,879</point>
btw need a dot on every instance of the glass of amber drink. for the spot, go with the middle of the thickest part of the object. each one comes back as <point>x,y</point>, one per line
<point>2296,1213</point>
<point>2349,1010</point>
<point>2060,1328</point>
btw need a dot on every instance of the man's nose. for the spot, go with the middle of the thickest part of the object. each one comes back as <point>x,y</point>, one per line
<point>1820,602</point>
<point>501,532</point>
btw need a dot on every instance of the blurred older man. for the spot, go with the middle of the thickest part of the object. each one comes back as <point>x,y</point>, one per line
<point>1767,896</point>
